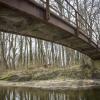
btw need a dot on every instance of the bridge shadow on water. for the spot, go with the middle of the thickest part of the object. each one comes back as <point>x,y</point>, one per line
<point>37,94</point>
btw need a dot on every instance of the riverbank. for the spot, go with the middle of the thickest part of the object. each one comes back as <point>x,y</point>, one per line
<point>50,78</point>
<point>53,73</point>
<point>54,84</point>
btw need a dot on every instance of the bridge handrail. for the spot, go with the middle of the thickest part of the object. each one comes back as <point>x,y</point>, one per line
<point>90,33</point>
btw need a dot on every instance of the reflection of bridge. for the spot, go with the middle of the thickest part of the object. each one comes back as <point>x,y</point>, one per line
<point>43,20</point>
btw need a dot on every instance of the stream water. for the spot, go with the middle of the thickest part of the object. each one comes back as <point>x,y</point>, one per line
<point>8,93</point>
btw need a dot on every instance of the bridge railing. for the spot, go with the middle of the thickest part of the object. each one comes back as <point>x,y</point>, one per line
<point>68,13</point>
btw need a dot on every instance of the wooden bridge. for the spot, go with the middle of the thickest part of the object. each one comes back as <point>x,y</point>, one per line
<point>40,19</point>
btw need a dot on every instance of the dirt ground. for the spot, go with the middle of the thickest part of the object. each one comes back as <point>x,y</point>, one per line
<point>54,84</point>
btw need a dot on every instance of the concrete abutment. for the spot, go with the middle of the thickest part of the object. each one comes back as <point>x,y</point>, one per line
<point>96,63</point>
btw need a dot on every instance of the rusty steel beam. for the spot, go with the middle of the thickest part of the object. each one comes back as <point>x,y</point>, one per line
<point>47,10</point>
<point>37,11</point>
<point>77,26</point>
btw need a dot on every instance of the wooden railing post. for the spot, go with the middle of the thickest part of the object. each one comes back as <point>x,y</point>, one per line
<point>77,26</point>
<point>97,40</point>
<point>90,35</point>
<point>47,10</point>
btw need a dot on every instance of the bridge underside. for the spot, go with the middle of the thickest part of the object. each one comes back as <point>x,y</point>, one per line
<point>30,21</point>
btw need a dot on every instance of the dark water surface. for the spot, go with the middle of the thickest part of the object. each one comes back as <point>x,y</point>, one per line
<point>8,93</point>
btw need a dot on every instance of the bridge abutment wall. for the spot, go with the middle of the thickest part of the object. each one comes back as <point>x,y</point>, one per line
<point>96,69</point>
<point>96,64</point>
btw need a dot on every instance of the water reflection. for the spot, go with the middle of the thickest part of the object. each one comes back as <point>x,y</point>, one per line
<point>36,94</point>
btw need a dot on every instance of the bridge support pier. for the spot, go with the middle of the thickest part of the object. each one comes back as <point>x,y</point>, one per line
<point>96,64</point>
<point>96,68</point>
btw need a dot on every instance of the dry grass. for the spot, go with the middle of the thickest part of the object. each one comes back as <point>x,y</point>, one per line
<point>50,73</point>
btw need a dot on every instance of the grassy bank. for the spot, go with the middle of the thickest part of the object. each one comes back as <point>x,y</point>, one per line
<point>74,72</point>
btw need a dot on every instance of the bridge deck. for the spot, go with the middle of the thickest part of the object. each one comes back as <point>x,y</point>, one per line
<point>28,18</point>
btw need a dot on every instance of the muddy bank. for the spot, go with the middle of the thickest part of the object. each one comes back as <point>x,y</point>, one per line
<point>55,84</point>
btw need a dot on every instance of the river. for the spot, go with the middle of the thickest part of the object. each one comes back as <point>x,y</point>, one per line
<point>8,93</point>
